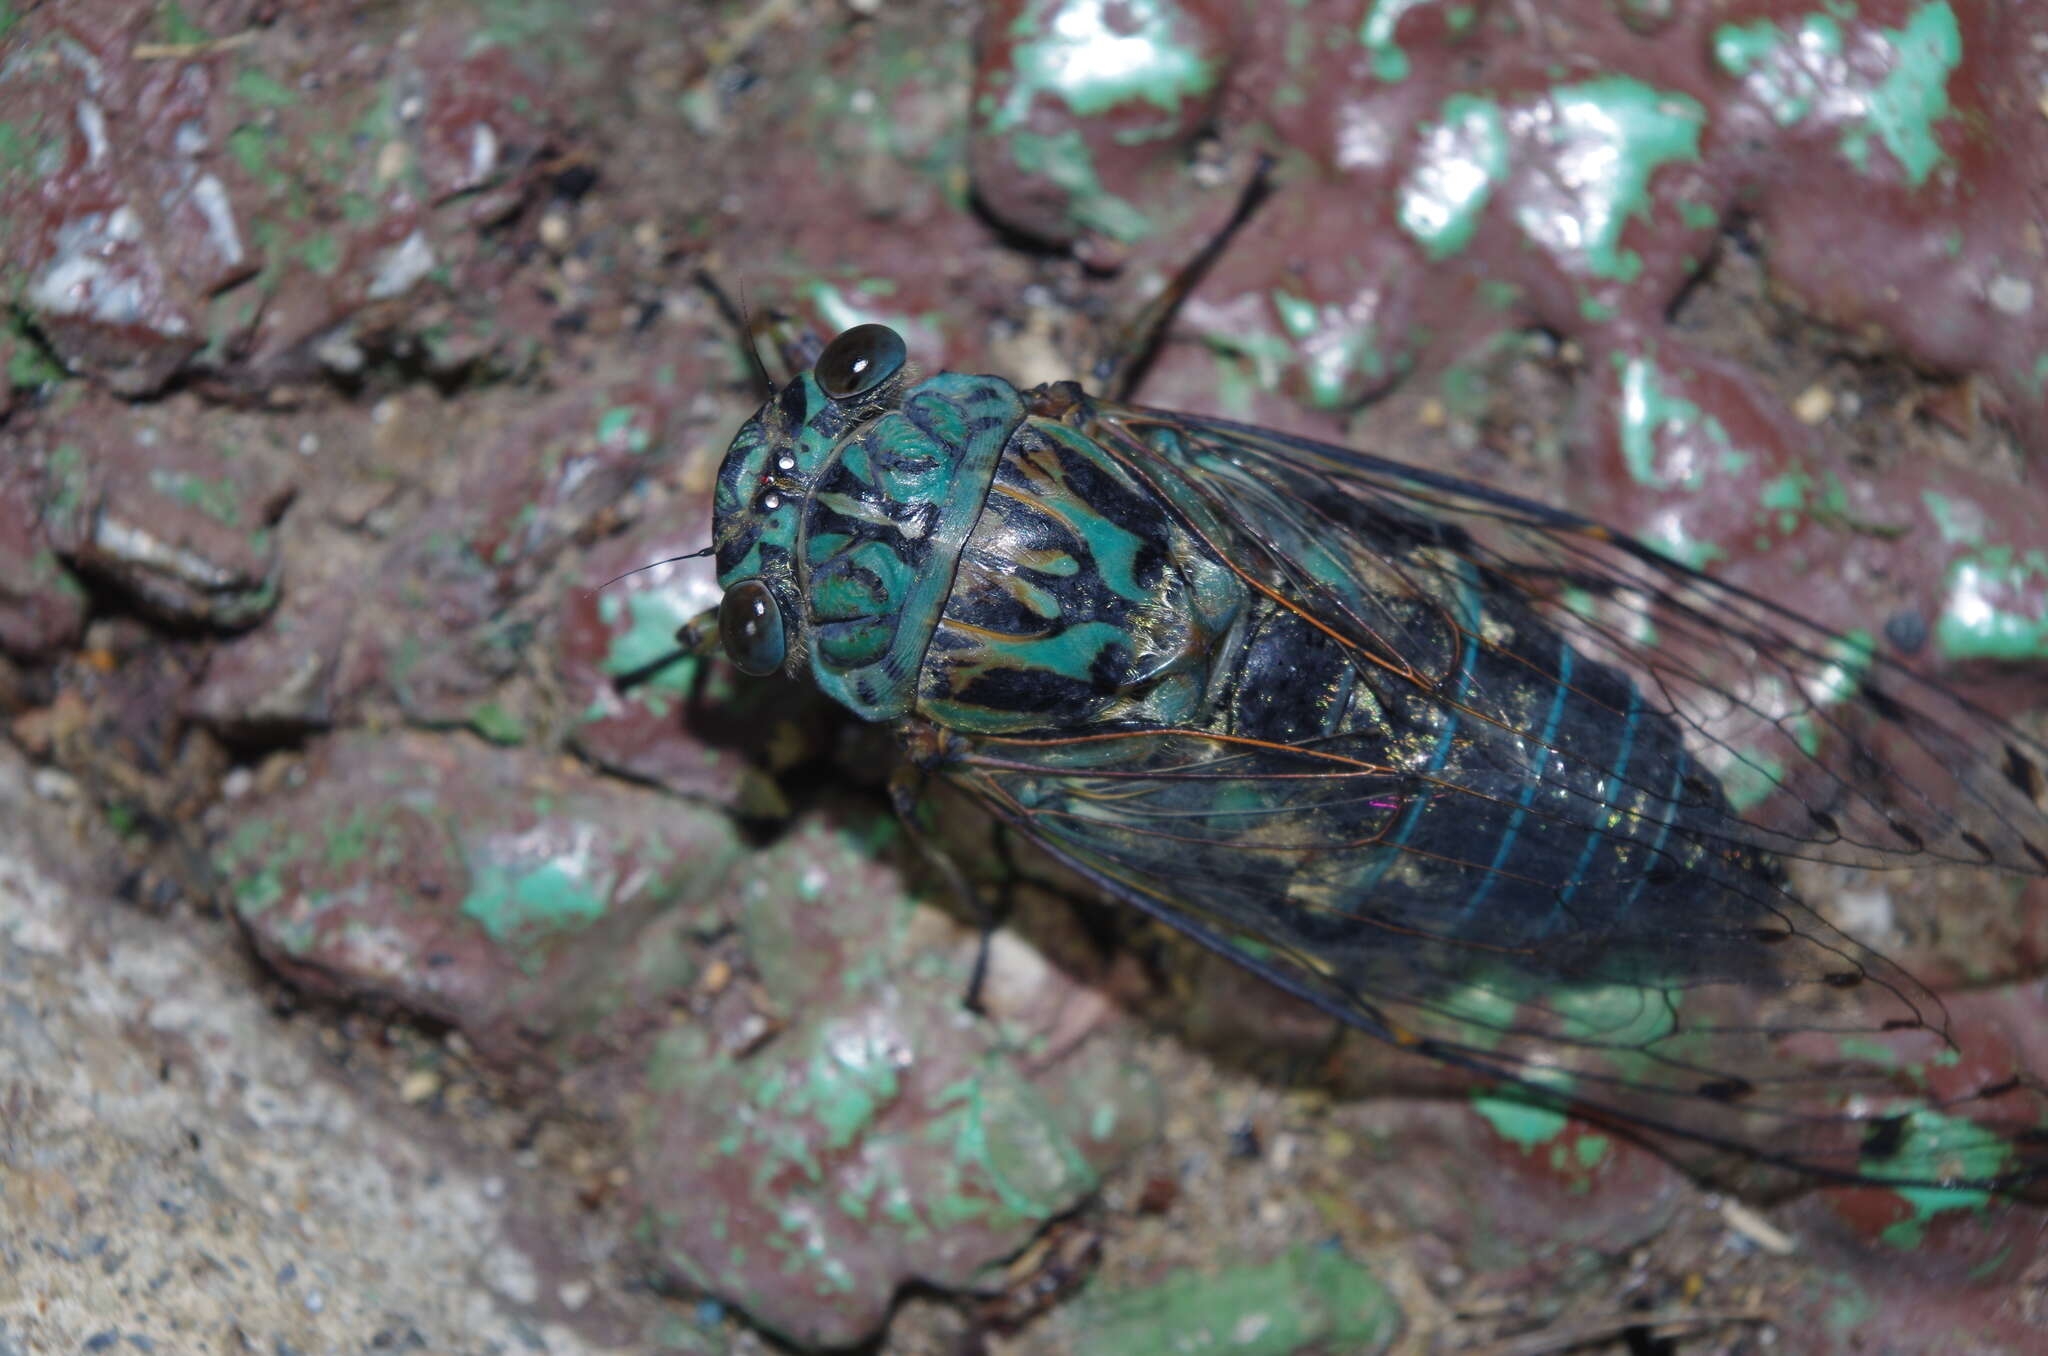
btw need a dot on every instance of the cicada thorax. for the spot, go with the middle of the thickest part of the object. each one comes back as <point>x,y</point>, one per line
<point>883,531</point>
<point>1078,603</point>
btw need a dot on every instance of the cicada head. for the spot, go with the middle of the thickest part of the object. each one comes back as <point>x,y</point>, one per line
<point>767,479</point>
<point>839,516</point>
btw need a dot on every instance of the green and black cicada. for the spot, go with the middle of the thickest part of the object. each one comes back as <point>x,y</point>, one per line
<point>1403,745</point>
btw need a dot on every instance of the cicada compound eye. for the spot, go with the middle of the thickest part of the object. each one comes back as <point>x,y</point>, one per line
<point>859,360</point>
<point>750,628</point>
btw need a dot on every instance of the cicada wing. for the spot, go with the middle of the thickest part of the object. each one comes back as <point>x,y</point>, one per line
<point>1460,797</point>
<point>1747,1062</point>
<point>1828,750</point>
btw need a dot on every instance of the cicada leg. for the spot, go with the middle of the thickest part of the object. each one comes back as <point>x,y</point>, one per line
<point>907,793</point>
<point>697,638</point>
<point>796,348</point>
<point>1117,373</point>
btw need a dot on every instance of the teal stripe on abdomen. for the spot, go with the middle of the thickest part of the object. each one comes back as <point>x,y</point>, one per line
<point>1514,824</point>
<point>1468,628</point>
<point>1594,836</point>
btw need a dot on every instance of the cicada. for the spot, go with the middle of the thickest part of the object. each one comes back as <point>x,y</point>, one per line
<point>1449,764</point>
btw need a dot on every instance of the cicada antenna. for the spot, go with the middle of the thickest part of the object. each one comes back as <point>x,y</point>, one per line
<point>735,315</point>
<point>1118,373</point>
<point>653,564</point>
<point>686,645</point>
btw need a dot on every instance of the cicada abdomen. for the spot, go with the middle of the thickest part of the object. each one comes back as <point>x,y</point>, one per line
<point>1395,741</point>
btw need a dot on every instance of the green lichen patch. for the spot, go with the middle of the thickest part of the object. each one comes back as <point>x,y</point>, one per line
<point>1463,157</point>
<point>1931,1146</point>
<point>1905,107</point>
<point>1614,132</point>
<point>1064,160</point>
<point>1798,69</point>
<point>1376,34</point>
<point>1783,64</point>
<point>1309,1298</point>
<point>1995,606</point>
<point>1093,56</point>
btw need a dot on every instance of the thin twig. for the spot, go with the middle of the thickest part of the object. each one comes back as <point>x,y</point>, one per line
<point>178,51</point>
<point>1666,1323</point>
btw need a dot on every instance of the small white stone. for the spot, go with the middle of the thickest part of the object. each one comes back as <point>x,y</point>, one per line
<point>483,152</point>
<point>1814,404</point>
<point>338,352</point>
<point>2013,296</point>
<point>511,1273</point>
<point>418,1086</point>
<point>211,198</point>
<point>92,124</point>
<point>1750,1224</point>
<point>399,267</point>
<point>55,784</point>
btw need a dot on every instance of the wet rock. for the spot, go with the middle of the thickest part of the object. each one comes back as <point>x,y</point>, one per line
<point>852,198</point>
<point>154,1098</point>
<point>122,229</point>
<point>280,679</point>
<point>1956,1238</point>
<point>823,161</point>
<point>27,369</point>
<point>1919,1261</point>
<point>814,1136</point>
<point>472,563</point>
<point>641,707</point>
<point>1451,174</point>
<point>573,457</point>
<point>883,1134</point>
<point>102,303</point>
<point>1306,1299</point>
<point>1693,459</point>
<point>449,609</point>
<point>492,889</point>
<point>259,203</point>
<point>1082,112</point>
<point>1551,1185</point>
<point>183,524</point>
<point>42,608</point>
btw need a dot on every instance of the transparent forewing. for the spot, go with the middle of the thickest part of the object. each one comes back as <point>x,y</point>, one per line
<point>1453,794</point>
<point>1828,750</point>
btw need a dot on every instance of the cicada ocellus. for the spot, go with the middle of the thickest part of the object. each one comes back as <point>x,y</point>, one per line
<point>1403,745</point>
